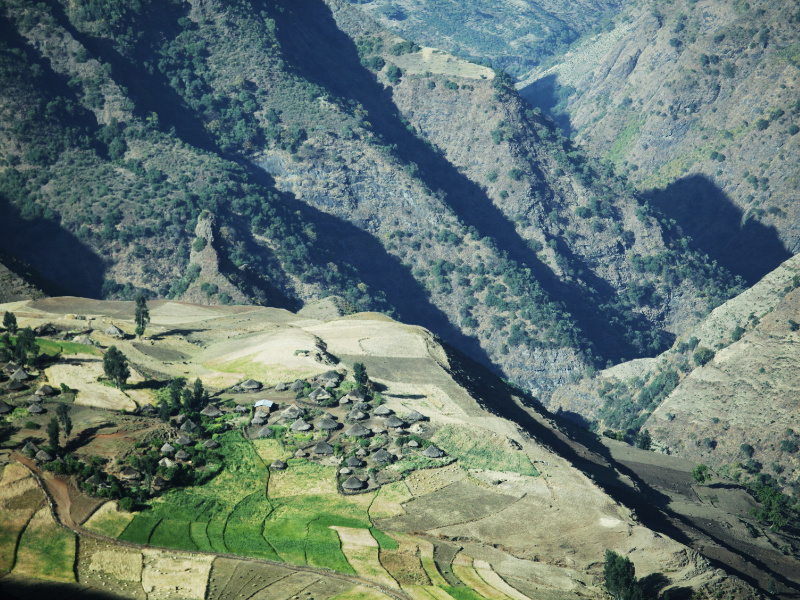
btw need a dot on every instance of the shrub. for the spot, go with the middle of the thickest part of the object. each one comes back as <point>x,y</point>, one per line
<point>393,74</point>
<point>789,446</point>
<point>583,212</point>
<point>737,333</point>
<point>762,124</point>
<point>747,450</point>
<point>703,356</point>
<point>793,129</point>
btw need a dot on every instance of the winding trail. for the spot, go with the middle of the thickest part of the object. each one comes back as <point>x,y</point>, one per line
<point>56,490</point>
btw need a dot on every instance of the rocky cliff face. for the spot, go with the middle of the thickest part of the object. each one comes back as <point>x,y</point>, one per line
<point>697,102</point>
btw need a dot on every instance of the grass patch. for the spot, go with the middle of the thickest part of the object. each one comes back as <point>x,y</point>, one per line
<point>173,534</point>
<point>66,348</point>
<point>109,520</point>
<point>46,551</point>
<point>288,537</point>
<point>413,463</point>
<point>140,529</point>
<point>384,541</point>
<point>199,532</point>
<point>216,536</point>
<point>624,140</point>
<point>270,375</point>
<point>482,452</point>
<point>462,593</point>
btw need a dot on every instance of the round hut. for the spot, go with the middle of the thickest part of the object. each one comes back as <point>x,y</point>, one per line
<point>278,465</point>
<point>323,448</point>
<point>356,415</point>
<point>45,390</point>
<point>264,432</point>
<point>211,411</point>
<point>357,430</point>
<point>183,441</point>
<point>354,463</point>
<point>35,409</point>
<point>433,451</point>
<point>383,411</point>
<point>394,422</point>
<point>281,387</point>
<point>297,386</point>
<point>5,408</point>
<point>167,450</point>
<point>353,483</point>
<point>414,416</point>
<point>182,455</point>
<point>211,444</point>
<point>328,424</point>
<point>382,456</point>
<point>300,425</point>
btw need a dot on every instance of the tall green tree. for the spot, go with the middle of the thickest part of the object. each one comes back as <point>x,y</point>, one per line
<point>199,395</point>
<point>62,413</point>
<point>26,351</point>
<point>360,375</point>
<point>52,433</point>
<point>10,322</point>
<point>620,576</point>
<point>141,316</point>
<point>115,366</point>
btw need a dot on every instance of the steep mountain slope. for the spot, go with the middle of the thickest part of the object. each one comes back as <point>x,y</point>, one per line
<point>697,101</point>
<point>332,158</point>
<point>724,395</point>
<point>515,36</point>
<point>16,280</point>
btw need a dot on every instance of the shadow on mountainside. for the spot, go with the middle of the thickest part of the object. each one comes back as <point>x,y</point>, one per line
<point>53,251</point>
<point>706,214</point>
<point>547,94</point>
<point>322,53</point>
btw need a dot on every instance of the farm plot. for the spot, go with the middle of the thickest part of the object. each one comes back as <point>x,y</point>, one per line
<point>45,550</point>
<point>20,498</point>
<point>109,520</point>
<point>233,579</point>
<point>404,562</point>
<point>360,592</point>
<point>80,373</point>
<point>101,565</point>
<point>489,451</point>
<point>389,501</point>
<point>166,573</point>
<point>361,550</point>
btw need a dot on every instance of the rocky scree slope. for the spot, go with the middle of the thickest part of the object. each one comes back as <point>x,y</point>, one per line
<point>699,102</point>
<point>327,169</point>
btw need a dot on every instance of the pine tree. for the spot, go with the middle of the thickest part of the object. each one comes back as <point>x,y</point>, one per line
<point>10,322</point>
<point>52,433</point>
<point>26,351</point>
<point>163,412</point>
<point>115,366</point>
<point>141,316</point>
<point>360,375</point>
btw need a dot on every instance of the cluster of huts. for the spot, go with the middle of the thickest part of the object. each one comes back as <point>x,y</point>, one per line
<point>19,379</point>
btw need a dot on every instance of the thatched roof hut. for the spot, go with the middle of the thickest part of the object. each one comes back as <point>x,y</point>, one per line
<point>10,367</point>
<point>356,395</point>
<point>378,430</point>
<point>292,413</point>
<point>345,471</point>
<point>159,483</point>
<point>322,448</point>
<point>183,441</point>
<point>300,425</point>
<point>356,415</point>
<point>30,447</point>
<point>114,332</point>
<point>383,411</point>
<point>250,384</point>
<point>300,453</point>
<point>316,392</point>
<point>83,340</point>
<point>382,456</point>
<point>354,462</point>
<point>188,426</point>
<point>211,411</point>
<point>166,462</point>
<point>433,451</point>
<point>414,416</point>
<point>5,408</point>
<point>353,483</point>
<point>357,430</point>
<point>328,424</point>
<point>362,406</point>
<point>130,474</point>
<point>329,379</point>
<point>34,399</point>
<point>278,465</point>
<point>181,419</point>
<point>393,421</point>
<point>264,432</point>
<point>361,453</point>
<point>281,387</point>
<point>167,449</point>
<point>20,375</point>
<point>211,444</point>
<point>257,420</point>
<point>14,385</point>
<point>413,444</point>
<point>43,456</point>
<point>35,409</point>
<point>239,408</point>
<point>45,390</point>
<point>297,386</point>
<point>182,455</point>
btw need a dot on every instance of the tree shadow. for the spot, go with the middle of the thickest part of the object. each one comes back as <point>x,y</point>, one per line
<point>546,93</point>
<point>706,214</point>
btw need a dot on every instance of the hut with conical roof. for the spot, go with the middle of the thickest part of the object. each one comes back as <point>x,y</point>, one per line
<point>281,387</point>
<point>292,413</point>
<point>14,385</point>
<point>239,408</point>
<point>45,390</point>
<point>35,409</point>
<point>329,379</point>
<point>264,432</point>
<point>182,455</point>
<point>257,420</point>
<point>433,451</point>
<point>114,332</point>
<point>43,456</point>
<point>414,416</point>
<point>10,367</point>
<point>382,456</point>
<point>355,395</point>
<point>211,444</point>
<point>278,465</point>
<point>34,399</point>
<point>30,447</point>
<point>357,430</point>
<point>353,483</point>
<point>354,462</point>
<point>166,463</point>
<point>316,392</point>
<point>328,424</point>
<point>159,483</point>
<point>300,425</point>
<point>130,474</point>
<point>383,411</point>
<point>362,406</point>
<point>5,408</point>
<point>394,422</point>
<point>211,411</point>
<point>167,449</point>
<point>413,444</point>
<point>250,384</point>
<point>356,415</point>
<point>188,426</point>
<point>297,386</point>
<point>183,441</point>
<point>323,447</point>
<point>20,375</point>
